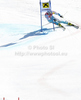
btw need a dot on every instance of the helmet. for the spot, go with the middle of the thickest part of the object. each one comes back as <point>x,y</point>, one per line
<point>49,12</point>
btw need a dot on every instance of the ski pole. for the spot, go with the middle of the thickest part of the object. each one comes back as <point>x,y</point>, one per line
<point>65,13</point>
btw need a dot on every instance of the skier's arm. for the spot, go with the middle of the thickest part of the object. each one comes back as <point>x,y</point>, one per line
<point>57,14</point>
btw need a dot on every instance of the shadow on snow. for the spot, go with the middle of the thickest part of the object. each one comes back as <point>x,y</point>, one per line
<point>34,33</point>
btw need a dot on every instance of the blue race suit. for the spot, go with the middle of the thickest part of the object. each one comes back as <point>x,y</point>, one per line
<point>52,19</point>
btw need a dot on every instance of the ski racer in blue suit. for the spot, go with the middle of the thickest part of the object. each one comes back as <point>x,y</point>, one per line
<point>51,19</point>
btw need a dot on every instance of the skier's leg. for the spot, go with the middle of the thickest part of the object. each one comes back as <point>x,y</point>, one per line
<point>70,24</point>
<point>57,23</point>
<point>64,22</point>
<point>61,26</point>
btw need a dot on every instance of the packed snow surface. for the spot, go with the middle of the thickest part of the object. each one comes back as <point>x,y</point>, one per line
<point>37,65</point>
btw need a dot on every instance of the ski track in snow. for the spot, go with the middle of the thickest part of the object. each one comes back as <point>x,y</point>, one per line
<point>71,34</point>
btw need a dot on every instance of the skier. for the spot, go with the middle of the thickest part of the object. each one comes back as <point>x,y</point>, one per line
<point>49,16</point>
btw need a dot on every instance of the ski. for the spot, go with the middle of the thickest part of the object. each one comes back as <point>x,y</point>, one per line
<point>76,26</point>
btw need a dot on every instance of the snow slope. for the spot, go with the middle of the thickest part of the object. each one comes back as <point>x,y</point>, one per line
<point>45,66</point>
